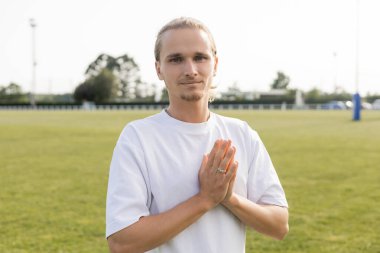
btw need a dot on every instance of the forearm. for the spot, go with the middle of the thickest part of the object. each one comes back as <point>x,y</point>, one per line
<point>266,219</point>
<point>152,231</point>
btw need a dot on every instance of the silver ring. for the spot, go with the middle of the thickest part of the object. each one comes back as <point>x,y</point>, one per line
<point>220,170</point>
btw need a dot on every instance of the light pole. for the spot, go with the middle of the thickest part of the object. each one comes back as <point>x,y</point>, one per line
<point>335,54</point>
<point>34,63</point>
<point>356,98</point>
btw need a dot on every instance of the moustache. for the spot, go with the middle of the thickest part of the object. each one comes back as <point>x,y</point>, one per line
<point>190,81</point>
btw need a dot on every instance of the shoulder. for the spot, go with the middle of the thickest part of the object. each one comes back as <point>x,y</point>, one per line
<point>140,126</point>
<point>234,123</point>
<point>229,120</point>
<point>141,123</point>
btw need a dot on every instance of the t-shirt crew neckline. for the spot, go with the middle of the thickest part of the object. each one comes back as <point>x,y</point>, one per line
<point>186,127</point>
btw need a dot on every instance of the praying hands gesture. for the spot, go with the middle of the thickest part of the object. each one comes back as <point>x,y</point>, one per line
<point>218,172</point>
<point>217,177</point>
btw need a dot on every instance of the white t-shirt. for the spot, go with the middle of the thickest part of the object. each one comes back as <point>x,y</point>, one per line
<point>155,167</point>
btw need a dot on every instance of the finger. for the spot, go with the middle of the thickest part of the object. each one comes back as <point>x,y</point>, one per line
<point>220,154</point>
<point>232,180</point>
<point>232,171</point>
<point>228,145</point>
<point>211,155</point>
<point>229,157</point>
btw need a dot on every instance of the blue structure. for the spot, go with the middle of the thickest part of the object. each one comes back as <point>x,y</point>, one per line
<point>356,107</point>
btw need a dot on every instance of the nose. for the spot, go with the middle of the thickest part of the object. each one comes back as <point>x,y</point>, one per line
<point>190,69</point>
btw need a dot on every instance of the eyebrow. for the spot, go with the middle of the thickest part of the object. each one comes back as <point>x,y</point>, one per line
<point>201,54</point>
<point>174,55</point>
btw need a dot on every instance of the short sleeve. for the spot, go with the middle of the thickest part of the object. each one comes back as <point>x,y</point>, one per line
<point>264,186</point>
<point>128,189</point>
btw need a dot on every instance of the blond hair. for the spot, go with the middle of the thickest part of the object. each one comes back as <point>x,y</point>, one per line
<point>180,23</point>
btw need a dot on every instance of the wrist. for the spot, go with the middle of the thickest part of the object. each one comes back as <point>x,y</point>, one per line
<point>231,202</point>
<point>206,203</point>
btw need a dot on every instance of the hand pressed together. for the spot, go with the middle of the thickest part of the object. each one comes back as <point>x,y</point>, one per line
<point>215,185</point>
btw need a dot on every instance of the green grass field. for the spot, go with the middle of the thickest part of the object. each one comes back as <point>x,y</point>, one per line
<point>54,169</point>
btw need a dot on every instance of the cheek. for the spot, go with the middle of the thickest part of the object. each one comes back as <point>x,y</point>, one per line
<point>170,71</point>
<point>207,69</point>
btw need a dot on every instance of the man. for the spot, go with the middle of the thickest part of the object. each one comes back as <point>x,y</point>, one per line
<point>187,179</point>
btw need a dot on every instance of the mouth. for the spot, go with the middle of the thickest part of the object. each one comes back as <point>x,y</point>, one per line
<point>190,82</point>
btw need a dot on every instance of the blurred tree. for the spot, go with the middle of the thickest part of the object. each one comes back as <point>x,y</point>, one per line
<point>281,82</point>
<point>12,94</point>
<point>313,96</point>
<point>316,96</point>
<point>234,88</point>
<point>372,97</point>
<point>11,89</point>
<point>234,92</point>
<point>164,95</point>
<point>84,92</point>
<point>146,92</point>
<point>100,88</point>
<point>125,70</point>
<point>105,86</point>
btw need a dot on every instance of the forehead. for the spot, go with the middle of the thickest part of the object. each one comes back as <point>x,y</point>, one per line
<point>185,41</point>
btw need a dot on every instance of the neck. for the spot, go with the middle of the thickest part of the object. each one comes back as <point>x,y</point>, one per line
<point>191,112</point>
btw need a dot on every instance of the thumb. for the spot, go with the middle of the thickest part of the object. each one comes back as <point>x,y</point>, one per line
<point>204,162</point>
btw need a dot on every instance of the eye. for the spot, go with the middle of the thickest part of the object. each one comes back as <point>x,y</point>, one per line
<point>200,58</point>
<point>176,59</point>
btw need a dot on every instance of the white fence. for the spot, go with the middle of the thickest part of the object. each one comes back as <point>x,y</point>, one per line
<point>161,106</point>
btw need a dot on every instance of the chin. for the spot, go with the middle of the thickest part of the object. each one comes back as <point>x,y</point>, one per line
<point>192,97</point>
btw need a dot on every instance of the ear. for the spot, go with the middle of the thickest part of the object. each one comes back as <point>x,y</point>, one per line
<point>158,70</point>
<point>216,60</point>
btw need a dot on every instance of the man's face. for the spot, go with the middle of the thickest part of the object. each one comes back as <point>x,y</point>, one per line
<point>186,64</point>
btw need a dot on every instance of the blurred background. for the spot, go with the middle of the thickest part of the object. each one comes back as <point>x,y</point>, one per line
<point>74,73</point>
<point>324,48</point>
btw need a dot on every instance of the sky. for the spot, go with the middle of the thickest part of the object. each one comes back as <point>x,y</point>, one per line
<point>311,41</point>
